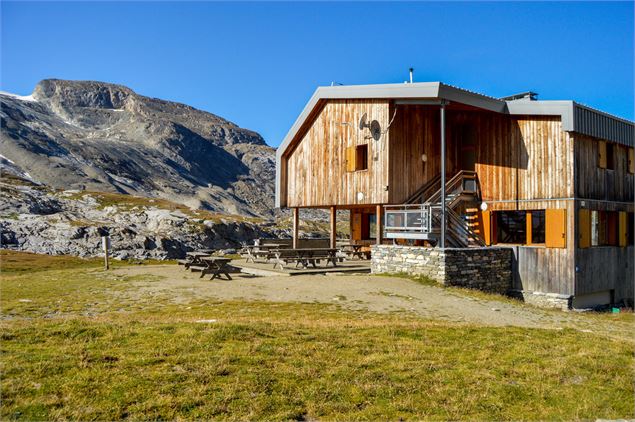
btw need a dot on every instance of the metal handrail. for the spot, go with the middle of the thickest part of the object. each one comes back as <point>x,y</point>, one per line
<point>423,192</point>
<point>453,184</point>
<point>425,217</point>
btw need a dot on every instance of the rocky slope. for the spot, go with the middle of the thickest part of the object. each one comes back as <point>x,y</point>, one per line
<point>39,219</point>
<point>97,136</point>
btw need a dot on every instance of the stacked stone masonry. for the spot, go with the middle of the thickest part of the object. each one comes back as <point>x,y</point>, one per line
<point>487,269</point>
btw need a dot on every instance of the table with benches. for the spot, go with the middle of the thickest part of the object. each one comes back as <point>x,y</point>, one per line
<point>216,266</point>
<point>194,258</point>
<point>353,251</point>
<point>304,256</point>
<point>262,251</point>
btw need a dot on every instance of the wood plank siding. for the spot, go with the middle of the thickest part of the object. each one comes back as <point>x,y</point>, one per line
<point>316,173</point>
<point>594,182</point>
<point>516,158</point>
<point>602,188</point>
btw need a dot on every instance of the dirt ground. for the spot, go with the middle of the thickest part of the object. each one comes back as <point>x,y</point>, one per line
<point>365,292</point>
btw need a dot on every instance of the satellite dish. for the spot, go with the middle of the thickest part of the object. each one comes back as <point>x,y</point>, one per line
<point>362,122</point>
<point>375,130</point>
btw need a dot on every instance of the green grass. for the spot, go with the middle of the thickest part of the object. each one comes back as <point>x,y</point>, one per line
<point>625,316</point>
<point>27,262</point>
<point>88,346</point>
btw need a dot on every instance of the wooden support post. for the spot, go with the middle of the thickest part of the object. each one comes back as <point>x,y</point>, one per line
<point>333,227</point>
<point>296,226</point>
<point>105,244</point>
<point>379,225</point>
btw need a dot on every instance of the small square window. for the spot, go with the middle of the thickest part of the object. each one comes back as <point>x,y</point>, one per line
<point>511,227</point>
<point>361,157</point>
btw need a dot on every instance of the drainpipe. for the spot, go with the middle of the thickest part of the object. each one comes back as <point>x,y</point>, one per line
<point>442,240</point>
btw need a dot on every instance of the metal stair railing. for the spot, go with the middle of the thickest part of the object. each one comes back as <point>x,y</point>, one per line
<point>464,181</point>
<point>421,195</point>
<point>423,219</point>
<point>415,218</point>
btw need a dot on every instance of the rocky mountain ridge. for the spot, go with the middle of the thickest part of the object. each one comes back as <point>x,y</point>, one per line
<point>39,219</point>
<point>104,137</point>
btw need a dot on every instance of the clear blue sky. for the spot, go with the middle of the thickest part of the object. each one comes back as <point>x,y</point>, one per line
<point>257,64</point>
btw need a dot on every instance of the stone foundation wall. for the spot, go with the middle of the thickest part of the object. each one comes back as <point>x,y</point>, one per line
<point>487,269</point>
<point>544,300</point>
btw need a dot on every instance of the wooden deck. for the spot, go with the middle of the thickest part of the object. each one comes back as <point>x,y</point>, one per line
<point>265,269</point>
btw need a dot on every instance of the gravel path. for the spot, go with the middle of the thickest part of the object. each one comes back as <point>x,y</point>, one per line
<point>366,292</point>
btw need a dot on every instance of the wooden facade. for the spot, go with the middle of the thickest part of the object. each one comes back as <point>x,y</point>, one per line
<point>319,160</point>
<point>523,163</point>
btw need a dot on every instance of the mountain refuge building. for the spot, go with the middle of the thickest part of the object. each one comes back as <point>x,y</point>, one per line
<point>517,195</point>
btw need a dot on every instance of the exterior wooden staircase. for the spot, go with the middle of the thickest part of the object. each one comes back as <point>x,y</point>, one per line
<point>420,216</point>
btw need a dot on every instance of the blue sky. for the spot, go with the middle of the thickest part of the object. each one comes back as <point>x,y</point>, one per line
<point>257,64</point>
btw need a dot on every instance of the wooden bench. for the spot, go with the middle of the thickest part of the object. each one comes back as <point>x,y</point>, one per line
<point>304,257</point>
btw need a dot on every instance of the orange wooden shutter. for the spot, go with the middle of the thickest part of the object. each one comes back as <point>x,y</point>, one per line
<point>486,227</point>
<point>602,154</point>
<point>623,229</point>
<point>584,228</point>
<point>529,226</point>
<point>631,160</point>
<point>350,159</point>
<point>556,228</point>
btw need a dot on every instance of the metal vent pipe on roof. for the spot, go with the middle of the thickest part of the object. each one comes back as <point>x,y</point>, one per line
<point>411,73</point>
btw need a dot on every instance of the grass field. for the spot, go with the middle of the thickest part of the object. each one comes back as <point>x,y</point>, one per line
<point>76,346</point>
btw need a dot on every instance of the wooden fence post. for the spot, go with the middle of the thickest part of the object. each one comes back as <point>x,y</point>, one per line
<point>105,244</point>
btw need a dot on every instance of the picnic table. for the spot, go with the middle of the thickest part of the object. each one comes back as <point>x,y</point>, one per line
<point>261,251</point>
<point>304,256</point>
<point>216,266</point>
<point>194,258</point>
<point>354,250</point>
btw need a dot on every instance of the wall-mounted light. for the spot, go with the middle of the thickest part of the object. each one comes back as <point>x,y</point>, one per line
<point>424,158</point>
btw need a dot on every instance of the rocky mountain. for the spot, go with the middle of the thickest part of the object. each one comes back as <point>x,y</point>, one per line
<point>95,136</point>
<point>40,219</point>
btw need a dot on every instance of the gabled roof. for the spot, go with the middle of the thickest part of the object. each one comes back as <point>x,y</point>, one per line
<point>414,91</point>
<point>575,117</point>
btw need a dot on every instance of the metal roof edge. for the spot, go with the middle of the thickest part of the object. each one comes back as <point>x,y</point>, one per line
<point>464,96</point>
<point>564,109</point>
